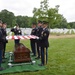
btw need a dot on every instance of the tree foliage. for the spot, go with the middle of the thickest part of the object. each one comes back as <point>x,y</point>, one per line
<point>11,20</point>
<point>50,14</point>
<point>41,13</point>
<point>71,24</point>
<point>7,17</point>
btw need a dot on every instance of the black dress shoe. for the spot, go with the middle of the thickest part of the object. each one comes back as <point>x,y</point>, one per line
<point>41,64</point>
<point>37,58</point>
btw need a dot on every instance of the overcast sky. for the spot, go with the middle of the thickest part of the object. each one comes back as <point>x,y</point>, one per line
<point>25,7</point>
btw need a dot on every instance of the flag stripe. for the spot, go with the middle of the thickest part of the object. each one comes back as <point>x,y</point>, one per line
<point>21,37</point>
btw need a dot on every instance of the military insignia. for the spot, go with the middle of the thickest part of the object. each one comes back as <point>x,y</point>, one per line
<point>42,33</point>
<point>45,34</point>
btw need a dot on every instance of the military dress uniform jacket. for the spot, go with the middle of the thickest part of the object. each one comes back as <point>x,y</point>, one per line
<point>4,35</point>
<point>38,31</point>
<point>16,31</point>
<point>33,32</point>
<point>44,38</point>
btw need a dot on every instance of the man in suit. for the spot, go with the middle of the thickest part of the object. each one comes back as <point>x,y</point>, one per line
<point>44,44</point>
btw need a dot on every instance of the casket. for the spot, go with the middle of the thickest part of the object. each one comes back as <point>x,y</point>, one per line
<point>21,53</point>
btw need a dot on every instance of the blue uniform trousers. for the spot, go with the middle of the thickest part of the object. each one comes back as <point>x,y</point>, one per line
<point>33,47</point>
<point>38,50</point>
<point>44,55</point>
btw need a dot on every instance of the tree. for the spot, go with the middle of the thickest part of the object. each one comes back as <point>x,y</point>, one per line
<point>71,24</point>
<point>7,17</point>
<point>23,21</point>
<point>11,20</point>
<point>52,16</point>
<point>41,13</point>
<point>49,14</point>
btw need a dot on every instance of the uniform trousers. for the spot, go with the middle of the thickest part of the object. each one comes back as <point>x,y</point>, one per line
<point>33,47</point>
<point>4,48</point>
<point>38,49</point>
<point>44,55</point>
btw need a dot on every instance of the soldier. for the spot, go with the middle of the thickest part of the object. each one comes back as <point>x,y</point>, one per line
<point>33,41</point>
<point>4,25</point>
<point>38,33</point>
<point>1,45</point>
<point>17,31</point>
<point>44,43</point>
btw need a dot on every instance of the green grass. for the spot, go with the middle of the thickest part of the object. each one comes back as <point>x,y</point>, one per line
<point>61,57</point>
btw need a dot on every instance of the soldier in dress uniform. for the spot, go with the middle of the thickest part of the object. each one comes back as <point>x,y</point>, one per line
<point>38,33</point>
<point>4,25</point>
<point>17,31</point>
<point>44,43</point>
<point>1,45</point>
<point>33,41</point>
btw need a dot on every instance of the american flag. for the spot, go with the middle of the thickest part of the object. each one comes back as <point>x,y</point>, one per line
<point>21,37</point>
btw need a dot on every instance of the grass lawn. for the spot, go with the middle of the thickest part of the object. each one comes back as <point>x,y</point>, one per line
<point>61,57</point>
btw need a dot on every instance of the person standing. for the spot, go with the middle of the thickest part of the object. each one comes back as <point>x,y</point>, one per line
<point>17,31</point>
<point>44,44</point>
<point>33,41</point>
<point>1,45</point>
<point>4,25</point>
<point>38,33</point>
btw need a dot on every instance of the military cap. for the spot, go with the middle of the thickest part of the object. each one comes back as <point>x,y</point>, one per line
<point>4,23</point>
<point>39,21</point>
<point>45,22</point>
<point>34,23</point>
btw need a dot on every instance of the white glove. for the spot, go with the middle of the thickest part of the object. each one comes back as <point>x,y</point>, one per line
<point>14,26</point>
<point>37,37</point>
<point>19,31</point>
